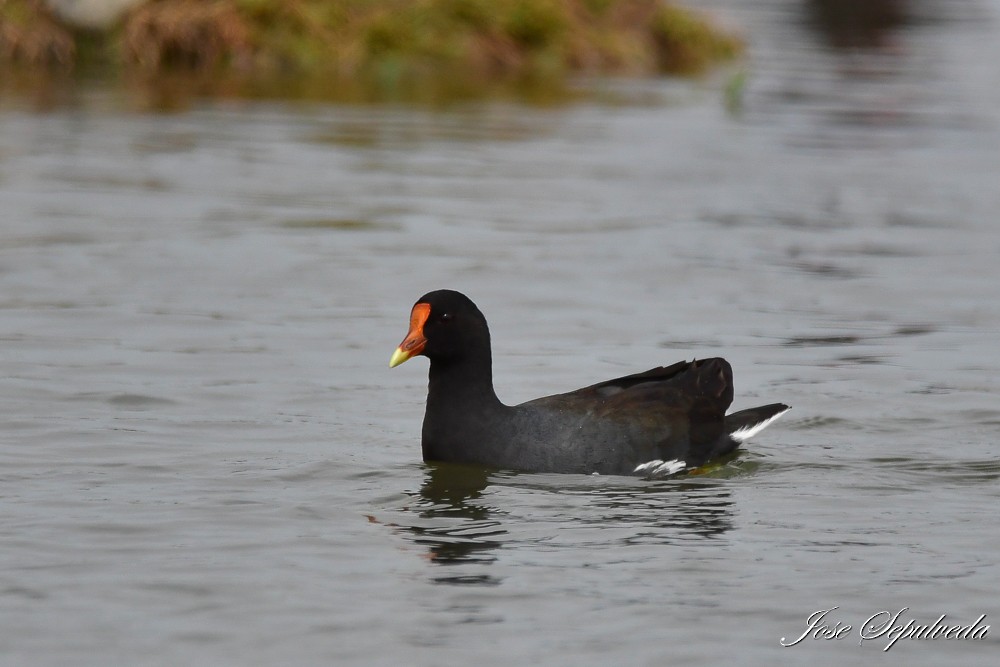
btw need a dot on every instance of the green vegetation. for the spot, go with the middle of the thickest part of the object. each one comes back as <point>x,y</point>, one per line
<point>686,43</point>
<point>30,37</point>
<point>389,43</point>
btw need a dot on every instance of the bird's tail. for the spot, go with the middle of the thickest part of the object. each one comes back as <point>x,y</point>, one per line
<point>745,424</point>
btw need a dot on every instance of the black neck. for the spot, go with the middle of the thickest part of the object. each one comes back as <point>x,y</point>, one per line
<point>461,407</point>
<point>464,384</point>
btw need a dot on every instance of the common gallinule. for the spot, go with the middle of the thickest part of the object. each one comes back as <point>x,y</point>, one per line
<point>656,423</point>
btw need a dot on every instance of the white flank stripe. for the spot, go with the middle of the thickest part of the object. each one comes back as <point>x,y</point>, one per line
<point>658,467</point>
<point>747,432</point>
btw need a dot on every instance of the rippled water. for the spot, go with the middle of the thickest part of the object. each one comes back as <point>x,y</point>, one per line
<point>206,461</point>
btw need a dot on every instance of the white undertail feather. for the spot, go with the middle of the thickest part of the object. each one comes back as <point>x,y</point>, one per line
<point>660,468</point>
<point>743,434</point>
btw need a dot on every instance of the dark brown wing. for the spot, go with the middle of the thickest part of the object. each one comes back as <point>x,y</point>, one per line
<point>711,379</point>
<point>689,398</point>
<point>669,413</point>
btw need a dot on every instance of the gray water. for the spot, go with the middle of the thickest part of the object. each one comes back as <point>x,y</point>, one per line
<point>205,459</point>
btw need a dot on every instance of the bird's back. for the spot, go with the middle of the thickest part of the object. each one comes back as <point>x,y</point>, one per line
<point>667,413</point>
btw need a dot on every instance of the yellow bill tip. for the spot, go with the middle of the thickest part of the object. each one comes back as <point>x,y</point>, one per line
<point>398,357</point>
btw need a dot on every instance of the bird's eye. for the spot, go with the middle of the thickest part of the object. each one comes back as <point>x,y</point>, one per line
<point>445,317</point>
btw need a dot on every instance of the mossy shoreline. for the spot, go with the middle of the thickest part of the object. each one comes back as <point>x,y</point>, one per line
<point>388,44</point>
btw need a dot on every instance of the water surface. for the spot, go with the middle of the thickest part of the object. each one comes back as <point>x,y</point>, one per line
<point>205,460</point>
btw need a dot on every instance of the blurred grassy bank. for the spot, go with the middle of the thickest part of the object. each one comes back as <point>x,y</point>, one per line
<point>354,46</point>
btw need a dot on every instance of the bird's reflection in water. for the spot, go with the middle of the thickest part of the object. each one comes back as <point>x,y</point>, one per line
<point>455,523</point>
<point>454,518</point>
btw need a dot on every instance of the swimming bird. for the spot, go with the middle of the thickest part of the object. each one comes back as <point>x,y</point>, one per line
<point>660,422</point>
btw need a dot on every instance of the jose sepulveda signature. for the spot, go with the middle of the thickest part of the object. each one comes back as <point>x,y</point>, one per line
<point>888,626</point>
